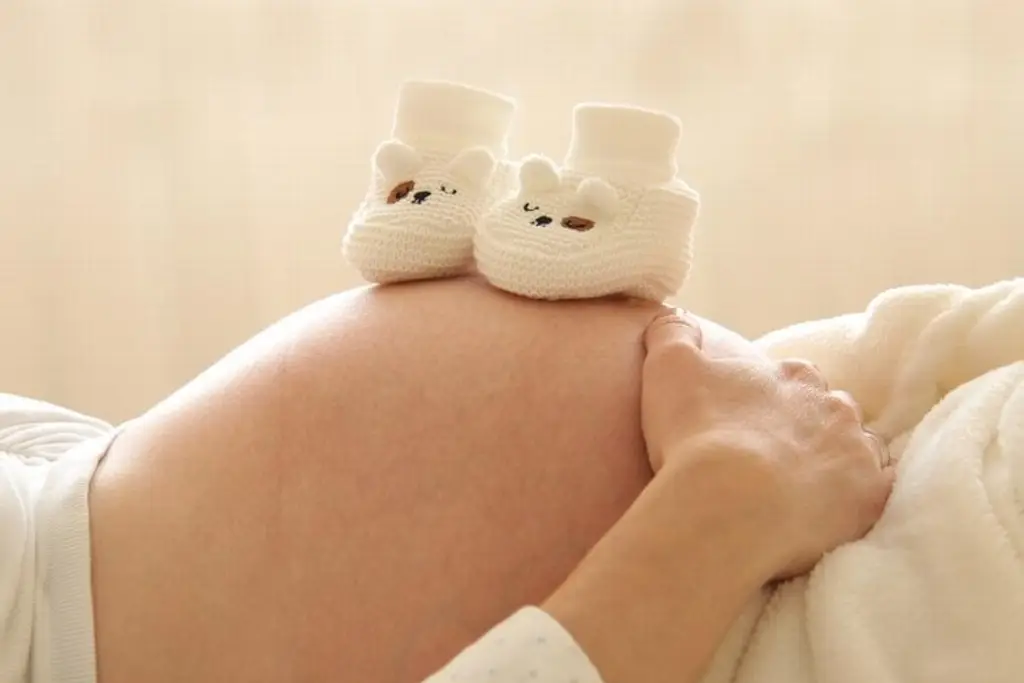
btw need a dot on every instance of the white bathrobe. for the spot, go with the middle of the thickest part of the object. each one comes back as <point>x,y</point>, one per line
<point>935,592</point>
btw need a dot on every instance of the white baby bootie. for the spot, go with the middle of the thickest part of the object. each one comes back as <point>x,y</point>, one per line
<point>613,220</point>
<point>431,183</point>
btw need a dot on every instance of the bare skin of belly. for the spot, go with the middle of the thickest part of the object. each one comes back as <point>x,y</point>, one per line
<point>362,490</point>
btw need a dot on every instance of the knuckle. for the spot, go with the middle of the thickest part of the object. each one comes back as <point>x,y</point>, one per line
<point>800,370</point>
<point>843,406</point>
<point>797,367</point>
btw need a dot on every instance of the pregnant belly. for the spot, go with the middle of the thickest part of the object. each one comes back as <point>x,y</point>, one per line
<point>364,489</point>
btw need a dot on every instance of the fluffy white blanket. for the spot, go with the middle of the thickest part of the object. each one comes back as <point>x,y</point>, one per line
<point>935,593</point>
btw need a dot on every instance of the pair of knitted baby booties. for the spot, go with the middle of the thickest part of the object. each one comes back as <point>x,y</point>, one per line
<point>613,218</point>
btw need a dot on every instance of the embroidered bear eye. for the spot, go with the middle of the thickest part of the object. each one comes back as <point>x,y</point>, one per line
<point>530,207</point>
<point>400,192</point>
<point>449,190</point>
<point>578,224</point>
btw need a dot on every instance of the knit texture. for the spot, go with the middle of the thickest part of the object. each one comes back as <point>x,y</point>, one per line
<point>613,220</point>
<point>431,183</point>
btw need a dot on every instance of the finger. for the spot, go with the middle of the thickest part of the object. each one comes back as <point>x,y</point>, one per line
<point>803,371</point>
<point>672,329</point>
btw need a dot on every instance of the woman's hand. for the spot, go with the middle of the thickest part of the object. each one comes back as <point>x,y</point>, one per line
<point>760,470</point>
<point>798,451</point>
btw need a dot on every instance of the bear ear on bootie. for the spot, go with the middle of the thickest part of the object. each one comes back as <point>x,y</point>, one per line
<point>396,162</point>
<point>600,196</point>
<point>538,175</point>
<point>595,202</point>
<point>473,168</point>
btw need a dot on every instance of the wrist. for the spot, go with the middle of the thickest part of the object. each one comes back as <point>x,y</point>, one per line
<point>730,481</point>
<point>657,595</point>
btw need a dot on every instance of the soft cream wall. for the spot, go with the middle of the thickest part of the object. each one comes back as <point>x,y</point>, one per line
<point>176,174</point>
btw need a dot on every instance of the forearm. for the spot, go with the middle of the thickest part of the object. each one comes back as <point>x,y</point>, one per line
<point>642,615</point>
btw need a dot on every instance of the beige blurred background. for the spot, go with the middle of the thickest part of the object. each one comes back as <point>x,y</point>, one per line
<point>176,174</point>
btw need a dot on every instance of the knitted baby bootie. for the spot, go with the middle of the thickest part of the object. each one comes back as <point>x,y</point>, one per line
<point>431,183</point>
<point>614,219</point>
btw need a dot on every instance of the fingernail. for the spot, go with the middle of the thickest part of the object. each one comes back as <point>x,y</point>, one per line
<point>689,320</point>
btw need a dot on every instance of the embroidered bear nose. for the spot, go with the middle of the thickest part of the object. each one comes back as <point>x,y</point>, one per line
<point>420,196</point>
<point>542,221</point>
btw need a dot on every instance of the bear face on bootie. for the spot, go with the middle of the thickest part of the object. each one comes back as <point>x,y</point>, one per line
<point>420,213</point>
<point>565,235</point>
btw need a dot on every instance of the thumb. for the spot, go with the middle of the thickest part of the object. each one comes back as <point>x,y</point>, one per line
<point>673,327</point>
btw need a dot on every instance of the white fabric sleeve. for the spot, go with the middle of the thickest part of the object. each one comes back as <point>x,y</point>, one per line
<point>528,647</point>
